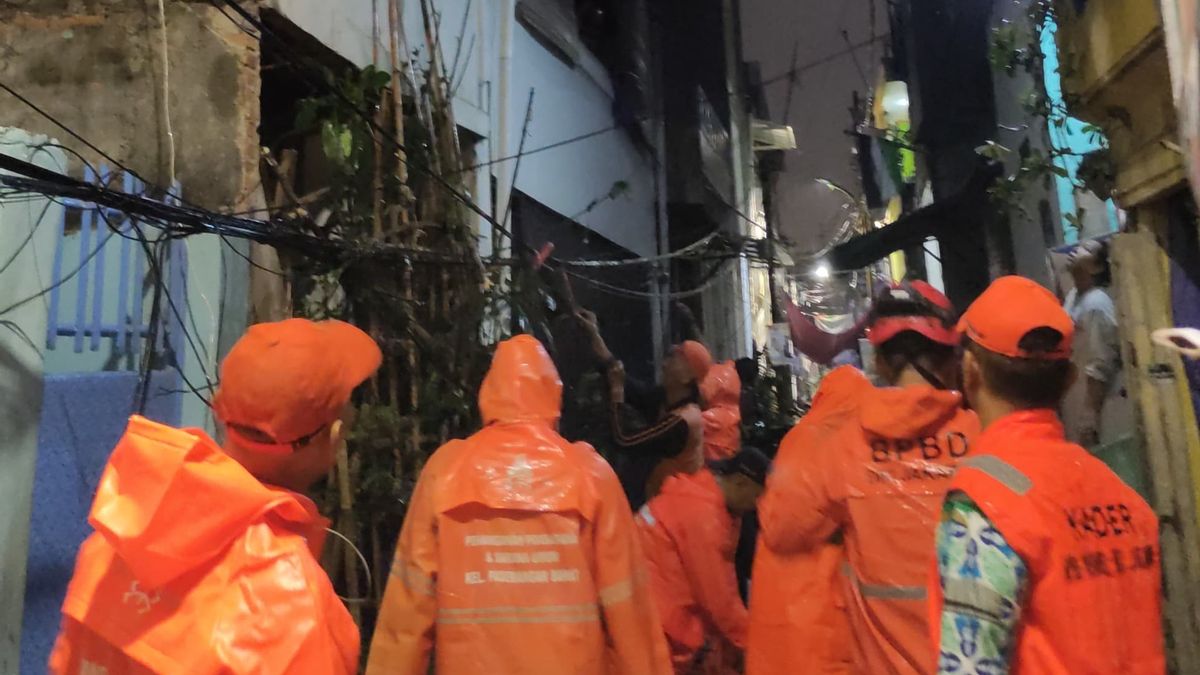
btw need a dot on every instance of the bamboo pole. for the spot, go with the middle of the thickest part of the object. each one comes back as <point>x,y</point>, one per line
<point>346,526</point>
<point>402,214</point>
<point>397,99</point>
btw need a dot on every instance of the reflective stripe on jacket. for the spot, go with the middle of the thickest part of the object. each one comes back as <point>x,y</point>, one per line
<point>196,567</point>
<point>879,479</point>
<point>518,554</point>
<point>1090,543</point>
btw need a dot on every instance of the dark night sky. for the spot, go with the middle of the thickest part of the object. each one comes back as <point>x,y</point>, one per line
<point>819,110</point>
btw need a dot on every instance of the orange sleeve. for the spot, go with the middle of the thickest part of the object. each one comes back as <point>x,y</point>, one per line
<point>637,645</point>
<point>805,491</point>
<point>404,631</point>
<point>713,578</point>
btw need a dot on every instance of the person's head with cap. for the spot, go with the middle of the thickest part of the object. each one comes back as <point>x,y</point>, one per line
<point>1018,349</point>
<point>683,370</point>
<point>742,478</point>
<point>285,391</point>
<point>911,326</point>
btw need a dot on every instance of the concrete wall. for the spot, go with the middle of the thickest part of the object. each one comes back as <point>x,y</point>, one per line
<point>28,228</point>
<point>1039,206</point>
<point>96,65</point>
<point>568,102</point>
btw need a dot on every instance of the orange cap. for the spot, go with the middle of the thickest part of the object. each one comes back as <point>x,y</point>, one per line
<point>1008,310</point>
<point>697,356</point>
<point>290,379</point>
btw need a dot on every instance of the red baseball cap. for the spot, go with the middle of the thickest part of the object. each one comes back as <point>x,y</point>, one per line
<point>933,322</point>
<point>285,381</point>
<point>1010,309</point>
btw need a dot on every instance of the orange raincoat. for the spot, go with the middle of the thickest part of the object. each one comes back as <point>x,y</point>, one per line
<point>721,390</point>
<point>797,607</point>
<point>518,553</point>
<point>196,567</point>
<point>880,479</point>
<point>689,536</point>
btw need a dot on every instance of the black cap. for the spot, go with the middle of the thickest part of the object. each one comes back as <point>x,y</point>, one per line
<point>749,462</point>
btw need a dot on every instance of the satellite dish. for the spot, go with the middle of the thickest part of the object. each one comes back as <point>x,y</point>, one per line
<point>814,216</point>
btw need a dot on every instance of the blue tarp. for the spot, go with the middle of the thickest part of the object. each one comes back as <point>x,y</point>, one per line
<point>83,415</point>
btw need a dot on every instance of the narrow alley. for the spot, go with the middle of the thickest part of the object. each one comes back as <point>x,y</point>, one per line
<point>599,337</point>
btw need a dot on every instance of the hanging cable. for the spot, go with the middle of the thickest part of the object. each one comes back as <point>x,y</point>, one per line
<point>166,93</point>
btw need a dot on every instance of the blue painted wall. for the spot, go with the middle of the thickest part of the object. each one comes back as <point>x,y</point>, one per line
<point>1071,136</point>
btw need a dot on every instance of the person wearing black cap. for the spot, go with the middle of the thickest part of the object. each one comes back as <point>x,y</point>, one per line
<point>689,531</point>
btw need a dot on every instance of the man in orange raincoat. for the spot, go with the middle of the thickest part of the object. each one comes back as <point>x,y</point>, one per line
<point>721,395</point>
<point>518,553</point>
<point>204,558</point>
<point>797,609</point>
<point>880,478</point>
<point>689,532</point>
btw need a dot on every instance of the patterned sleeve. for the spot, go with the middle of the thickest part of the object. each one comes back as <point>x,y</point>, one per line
<point>982,580</point>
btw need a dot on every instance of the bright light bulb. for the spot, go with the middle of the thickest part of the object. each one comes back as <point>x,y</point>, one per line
<point>822,271</point>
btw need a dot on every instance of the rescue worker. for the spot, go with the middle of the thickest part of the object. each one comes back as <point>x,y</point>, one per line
<point>798,618</point>
<point>880,477</point>
<point>646,453</point>
<point>689,531</point>
<point>721,395</point>
<point>1046,562</point>
<point>205,557</point>
<point>519,552</point>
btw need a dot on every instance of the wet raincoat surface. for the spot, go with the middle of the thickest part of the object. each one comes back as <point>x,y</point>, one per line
<point>721,390</point>
<point>519,552</point>
<point>196,567</point>
<point>689,537</point>
<point>798,618</point>
<point>881,481</point>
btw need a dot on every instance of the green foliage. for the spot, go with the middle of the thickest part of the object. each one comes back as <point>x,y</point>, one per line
<point>426,314</point>
<point>346,138</point>
<point>1017,49</point>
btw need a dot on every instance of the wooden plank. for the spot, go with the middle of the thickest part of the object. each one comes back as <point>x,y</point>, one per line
<point>1140,268</point>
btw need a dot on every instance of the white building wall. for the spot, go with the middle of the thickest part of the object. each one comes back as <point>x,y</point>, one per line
<point>29,228</point>
<point>568,102</point>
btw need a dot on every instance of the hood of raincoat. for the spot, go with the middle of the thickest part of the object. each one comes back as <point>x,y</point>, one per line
<point>518,461</point>
<point>522,385</point>
<point>721,390</point>
<point>170,501</point>
<point>721,386</point>
<point>839,389</point>
<point>906,412</point>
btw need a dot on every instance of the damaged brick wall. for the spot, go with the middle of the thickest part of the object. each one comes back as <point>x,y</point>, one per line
<point>96,65</point>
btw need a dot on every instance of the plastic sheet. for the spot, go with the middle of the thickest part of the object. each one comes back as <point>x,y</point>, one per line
<point>876,473</point>
<point>518,552</point>
<point>815,343</point>
<point>196,567</point>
